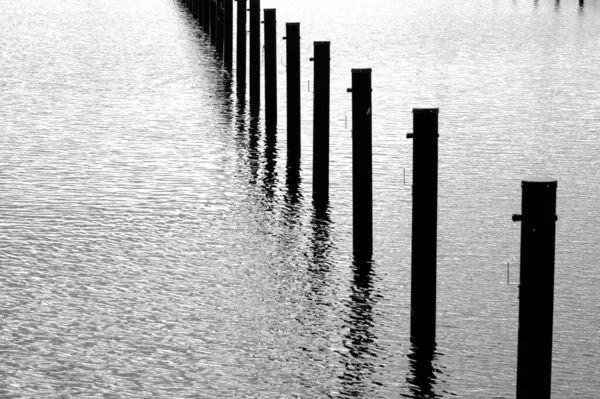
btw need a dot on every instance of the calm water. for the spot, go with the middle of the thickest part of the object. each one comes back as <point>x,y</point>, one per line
<point>153,244</point>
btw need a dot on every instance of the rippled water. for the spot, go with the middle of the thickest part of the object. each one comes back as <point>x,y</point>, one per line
<point>154,243</point>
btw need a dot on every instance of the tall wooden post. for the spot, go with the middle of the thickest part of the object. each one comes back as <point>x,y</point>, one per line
<point>321,120</point>
<point>292,38</point>
<point>220,24</point>
<point>206,16</point>
<point>270,22</point>
<point>254,53</point>
<point>213,21</point>
<point>362,163</point>
<point>228,35</point>
<point>536,288</point>
<point>241,48</point>
<point>424,225</point>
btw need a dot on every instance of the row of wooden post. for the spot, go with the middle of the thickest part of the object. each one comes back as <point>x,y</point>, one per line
<point>539,195</point>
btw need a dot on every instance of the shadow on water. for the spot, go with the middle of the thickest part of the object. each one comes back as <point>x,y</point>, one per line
<point>360,341</point>
<point>422,376</point>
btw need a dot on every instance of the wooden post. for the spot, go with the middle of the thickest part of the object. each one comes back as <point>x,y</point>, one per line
<point>213,21</point>
<point>362,174</point>
<point>206,16</point>
<point>424,225</point>
<point>241,48</point>
<point>270,67</point>
<point>220,22</point>
<point>200,8</point>
<point>228,35</point>
<point>536,288</point>
<point>321,120</point>
<point>293,88</point>
<point>254,53</point>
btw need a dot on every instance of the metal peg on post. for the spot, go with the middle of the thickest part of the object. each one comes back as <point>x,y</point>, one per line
<point>321,120</point>
<point>362,163</point>
<point>424,225</point>
<point>293,88</point>
<point>536,288</point>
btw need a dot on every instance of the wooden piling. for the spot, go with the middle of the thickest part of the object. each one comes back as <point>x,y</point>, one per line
<point>206,16</point>
<point>321,100</point>
<point>213,21</point>
<point>536,288</point>
<point>220,31</point>
<point>228,35</point>
<point>293,88</point>
<point>424,225</point>
<point>241,48</point>
<point>254,53</point>
<point>362,168</point>
<point>270,21</point>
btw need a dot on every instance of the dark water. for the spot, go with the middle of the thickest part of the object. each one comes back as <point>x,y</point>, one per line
<point>155,243</point>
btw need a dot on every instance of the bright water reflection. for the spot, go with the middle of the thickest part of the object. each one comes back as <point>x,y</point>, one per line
<point>155,241</point>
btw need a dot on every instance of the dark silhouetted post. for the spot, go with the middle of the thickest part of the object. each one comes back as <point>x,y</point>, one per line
<point>200,7</point>
<point>254,53</point>
<point>270,67</point>
<point>424,225</point>
<point>206,16</point>
<point>241,47</point>
<point>228,35</point>
<point>321,120</point>
<point>536,288</point>
<point>220,22</point>
<point>292,31</point>
<point>362,168</point>
<point>213,21</point>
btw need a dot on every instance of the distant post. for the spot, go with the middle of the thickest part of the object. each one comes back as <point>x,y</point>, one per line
<point>270,67</point>
<point>213,21</point>
<point>241,47</point>
<point>292,31</point>
<point>228,35</point>
<point>536,288</point>
<point>206,16</point>
<point>220,23</point>
<point>362,163</point>
<point>424,225</point>
<point>254,53</point>
<point>321,119</point>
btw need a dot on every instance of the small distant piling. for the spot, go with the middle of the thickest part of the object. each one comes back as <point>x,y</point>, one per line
<point>241,48</point>
<point>424,225</point>
<point>270,22</point>
<point>220,31</point>
<point>213,21</point>
<point>255,53</point>
<point>228,35</point>
<point>321,119</point>
<point>536,288</point>
<point>206,16</point>
<point>292,30</point>
<point>362,163</point>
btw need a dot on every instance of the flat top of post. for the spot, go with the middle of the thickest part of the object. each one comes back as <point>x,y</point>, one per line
<point>540,180</point>
<point>322,43</point>
<point>292,23</point>
<point>426,110</point>
<point>361,70</point>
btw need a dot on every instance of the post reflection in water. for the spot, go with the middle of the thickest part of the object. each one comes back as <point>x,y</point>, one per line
<point>422,374</point>
<point>360,341</point>
<point>293,194</point>
<point>270,163</point>
<point>253,138</point>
